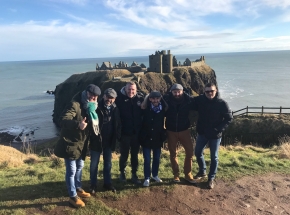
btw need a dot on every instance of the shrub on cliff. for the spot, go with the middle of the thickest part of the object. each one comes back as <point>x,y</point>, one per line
<point>263,130</point>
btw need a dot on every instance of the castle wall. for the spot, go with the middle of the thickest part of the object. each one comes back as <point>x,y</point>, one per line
<point>167,63</point>
<point>187,63</point>
<point>155,63</point>
<point>199,63</point>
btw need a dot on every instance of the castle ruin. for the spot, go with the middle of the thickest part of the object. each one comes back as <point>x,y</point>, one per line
<point>163,62</point>
<point>135,67</point>
<point>160,62</point>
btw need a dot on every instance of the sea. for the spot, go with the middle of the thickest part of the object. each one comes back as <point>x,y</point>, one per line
<point>253,79</point>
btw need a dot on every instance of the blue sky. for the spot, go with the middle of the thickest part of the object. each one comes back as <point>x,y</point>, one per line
<point>65,29</point>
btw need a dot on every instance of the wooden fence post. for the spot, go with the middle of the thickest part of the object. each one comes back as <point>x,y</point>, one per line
<point>280,110</point>
<point>247,110</point>
<point>262,110</point>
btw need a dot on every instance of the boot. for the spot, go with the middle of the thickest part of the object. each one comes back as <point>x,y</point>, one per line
<point>123,176</point>
<point>76,202</point>
<point>82,193</point>
<point>135,179</point>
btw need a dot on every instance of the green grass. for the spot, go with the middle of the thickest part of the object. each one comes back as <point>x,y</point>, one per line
<point>235,162</point>
<point>39,188</point>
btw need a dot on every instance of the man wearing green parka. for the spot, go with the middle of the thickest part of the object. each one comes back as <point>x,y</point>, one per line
<point>78,120</point>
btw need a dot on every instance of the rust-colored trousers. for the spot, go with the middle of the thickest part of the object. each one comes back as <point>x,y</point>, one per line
<point>185,140</point>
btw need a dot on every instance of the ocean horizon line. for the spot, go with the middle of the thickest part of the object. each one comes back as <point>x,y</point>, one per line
<point>91,58</point>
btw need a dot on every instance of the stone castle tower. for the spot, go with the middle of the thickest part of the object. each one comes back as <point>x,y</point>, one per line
<point>161,62</point>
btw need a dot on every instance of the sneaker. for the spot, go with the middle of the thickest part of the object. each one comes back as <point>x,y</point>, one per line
<point>123,177</point>
<point>146,183</point>
<point>157,179</point>
<point>190,178</point>
<point>135,179</point>
<point>176,179</point>
<point>109,187</point>
<point>82,193</point>
<point>210,184</point>
<point>200,175</point>
<point>76,202</point>
<point>93,190</point>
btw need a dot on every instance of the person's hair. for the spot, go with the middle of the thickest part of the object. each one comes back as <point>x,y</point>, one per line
<point>130,83</point>
<point>210,84</point>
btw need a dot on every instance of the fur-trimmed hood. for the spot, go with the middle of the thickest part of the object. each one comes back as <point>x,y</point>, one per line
<point>146,102</point>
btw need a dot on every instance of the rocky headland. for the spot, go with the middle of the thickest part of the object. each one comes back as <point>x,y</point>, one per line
<point>192,78</point>
<point>264,130</point>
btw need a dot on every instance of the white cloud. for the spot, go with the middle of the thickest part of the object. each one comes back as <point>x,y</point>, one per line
<point>78,2</point>
<point>58,40</point>
<point>286,16</point>
<point>178,25</point>
<point>161,14</point>
<point>66,41</point>
<point>274,3</point>
<point>155,16</point>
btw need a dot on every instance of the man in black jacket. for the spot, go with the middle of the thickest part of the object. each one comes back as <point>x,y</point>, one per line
<point>177,126</point>
<point>105,142</point>
<point>129,104</point>
<point>214,116</point>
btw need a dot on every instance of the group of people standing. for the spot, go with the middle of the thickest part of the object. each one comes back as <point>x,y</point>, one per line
<point>132,120</point>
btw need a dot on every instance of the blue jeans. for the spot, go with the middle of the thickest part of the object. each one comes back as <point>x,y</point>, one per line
<point>73,175</point>
<point>213,144</point>
<point>147,162</point>
<point>95,158</point>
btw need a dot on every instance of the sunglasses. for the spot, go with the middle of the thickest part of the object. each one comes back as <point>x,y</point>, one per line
<point>209,91</point>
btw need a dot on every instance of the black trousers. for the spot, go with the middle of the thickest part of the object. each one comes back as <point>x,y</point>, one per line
<point>129,144</point>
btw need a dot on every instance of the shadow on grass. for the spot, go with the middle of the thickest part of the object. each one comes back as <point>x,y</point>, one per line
<point>51,190</point>
<point>32,192</point>
<point>36,206</point>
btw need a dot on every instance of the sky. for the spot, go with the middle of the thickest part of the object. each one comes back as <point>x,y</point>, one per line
<point>68,29</point>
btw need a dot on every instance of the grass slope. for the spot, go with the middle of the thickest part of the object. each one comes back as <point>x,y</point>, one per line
<point>38,187</point>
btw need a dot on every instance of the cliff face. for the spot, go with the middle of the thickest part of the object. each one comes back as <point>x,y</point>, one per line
<point>193,79</point>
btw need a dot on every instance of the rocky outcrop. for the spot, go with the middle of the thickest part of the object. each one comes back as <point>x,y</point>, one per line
<point>193,79</point>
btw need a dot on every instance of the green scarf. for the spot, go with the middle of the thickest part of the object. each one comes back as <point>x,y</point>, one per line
<point>91,111</point>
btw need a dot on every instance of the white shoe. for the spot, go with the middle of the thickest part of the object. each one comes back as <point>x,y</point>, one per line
<point>146,183</point>
<point>157,179</point>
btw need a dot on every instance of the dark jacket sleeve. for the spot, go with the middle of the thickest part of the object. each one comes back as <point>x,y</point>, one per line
<point>67,119</point>
<point>194,103</point>
<point>118,124</point>
<point>227,117</point>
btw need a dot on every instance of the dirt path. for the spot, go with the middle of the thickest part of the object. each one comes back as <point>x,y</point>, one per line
<point>265,195</point>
